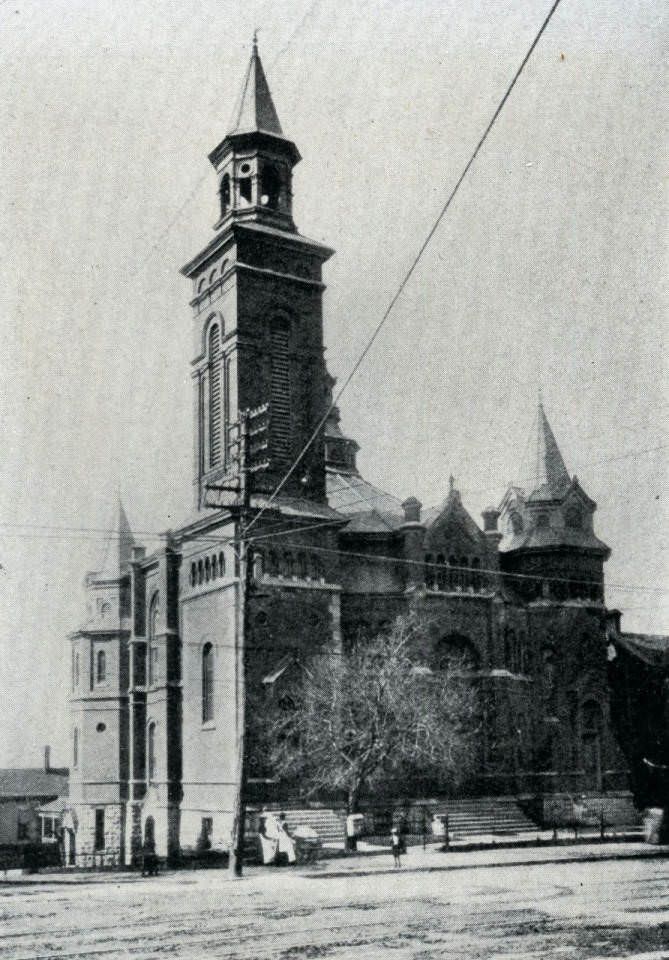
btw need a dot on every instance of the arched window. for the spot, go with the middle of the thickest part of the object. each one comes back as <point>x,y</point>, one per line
<point>101,667</point>
<point>207,570</point>
<point>574,518</point>
<point>225,194</point>
<point>214,567</point>
<point>200,572</point>
<point>317,569</point>
<point>257,560</point>
<point>429,572</point>
<point>476,576</point>
<point>272,563</point>
<point>151,752</point>
<point>153,616</point>
<point>201,284</point>
<point>442,573</point>
<point>516,522</point>
<point>270,187</point>
<point>302,570</point>
<point>542,521</point>
<point>152,652</point>
<point>288,564</point>
<point>75,747</point>
<point>221,564</point>
<point>75,668</point>
<point>213,275</point>
<point>215,445</point>
<point>193,574</point>
<point>207,683</point>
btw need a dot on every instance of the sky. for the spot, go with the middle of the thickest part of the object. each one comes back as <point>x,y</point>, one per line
<point>548,271</point>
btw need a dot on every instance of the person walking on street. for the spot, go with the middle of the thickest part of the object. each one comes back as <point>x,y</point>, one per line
<point>396,843</point>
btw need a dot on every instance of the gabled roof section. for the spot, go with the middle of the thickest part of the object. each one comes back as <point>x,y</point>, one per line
<point>255,111</point>
<point>118,547</point>
<point>453,512</point>
<point>552,478</point>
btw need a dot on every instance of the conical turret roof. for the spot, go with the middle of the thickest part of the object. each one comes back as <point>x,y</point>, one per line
<point>551,478</point>
<point>118,547</point>
<point>255,110</point>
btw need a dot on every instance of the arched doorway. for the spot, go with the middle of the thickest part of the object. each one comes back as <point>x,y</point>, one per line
<point>456,652</point>
<point>591,744</point>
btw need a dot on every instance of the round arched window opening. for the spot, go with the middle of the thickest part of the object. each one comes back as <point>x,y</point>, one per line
<point>101,727</point>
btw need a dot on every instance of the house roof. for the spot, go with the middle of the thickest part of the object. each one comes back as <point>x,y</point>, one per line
<point>33,782</point>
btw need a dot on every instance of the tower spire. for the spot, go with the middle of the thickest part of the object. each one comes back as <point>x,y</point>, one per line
<point>118,548</point>
<point>255,111</point>
<point>552,477</point>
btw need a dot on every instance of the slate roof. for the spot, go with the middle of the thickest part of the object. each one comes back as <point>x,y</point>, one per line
<point>371,510</point>
<point>544,537</point>
<point>32,782</point>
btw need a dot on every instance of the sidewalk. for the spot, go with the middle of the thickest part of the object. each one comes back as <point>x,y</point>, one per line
<point>417,860</point>
<point>434,859</point>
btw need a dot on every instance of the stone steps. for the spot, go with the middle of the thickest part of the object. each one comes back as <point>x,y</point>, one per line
<point>468,818</point>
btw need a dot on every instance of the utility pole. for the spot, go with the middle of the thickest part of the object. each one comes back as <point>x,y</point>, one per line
<point>252,441</point>
<point>236,863</point>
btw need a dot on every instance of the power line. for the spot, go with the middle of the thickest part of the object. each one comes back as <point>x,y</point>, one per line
<point>413,266</point>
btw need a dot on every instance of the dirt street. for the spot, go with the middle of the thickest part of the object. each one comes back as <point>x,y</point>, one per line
<point>563,910</point>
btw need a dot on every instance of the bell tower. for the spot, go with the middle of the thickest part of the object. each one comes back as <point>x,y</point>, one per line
<point>254,162</point>
<point>257,306</point>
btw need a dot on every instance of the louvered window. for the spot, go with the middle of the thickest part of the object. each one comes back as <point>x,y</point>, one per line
<point>215,445</point>
<point>280,392</point>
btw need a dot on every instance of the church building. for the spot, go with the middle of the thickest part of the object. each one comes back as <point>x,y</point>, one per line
<point>155,666</point>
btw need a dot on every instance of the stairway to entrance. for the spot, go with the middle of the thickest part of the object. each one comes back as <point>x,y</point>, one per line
<point>483,816</point>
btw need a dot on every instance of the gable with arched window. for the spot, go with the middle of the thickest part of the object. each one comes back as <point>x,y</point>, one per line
<point>207,683</point>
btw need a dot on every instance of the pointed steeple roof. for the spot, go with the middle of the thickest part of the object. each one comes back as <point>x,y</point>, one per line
<point>552,478</point>
<point>255,110</point>
<point>118,548</point>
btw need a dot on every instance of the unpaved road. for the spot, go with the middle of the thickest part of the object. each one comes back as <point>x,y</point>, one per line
<point>531,912</point>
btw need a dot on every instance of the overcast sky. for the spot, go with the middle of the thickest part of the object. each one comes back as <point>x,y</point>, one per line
<point>548,269</point>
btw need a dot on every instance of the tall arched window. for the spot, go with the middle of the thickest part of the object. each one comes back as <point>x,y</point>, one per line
<point>101,667</point>
<point>151,752</point>
<point>152,652</point>
<point>215,445</point>
<point>75,747</point>
<point>221,564</point>
<point>207,683</point>
<point>75,668</point>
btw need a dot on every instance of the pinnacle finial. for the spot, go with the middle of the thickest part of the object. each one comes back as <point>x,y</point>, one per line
<point>451,483</point>
<point>255,40</point>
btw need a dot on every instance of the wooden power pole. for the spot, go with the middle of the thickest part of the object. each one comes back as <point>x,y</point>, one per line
<point>252,448</point>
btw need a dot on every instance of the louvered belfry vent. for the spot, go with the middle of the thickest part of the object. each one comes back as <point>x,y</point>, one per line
<point>215,445</point>
<point>280,392</point>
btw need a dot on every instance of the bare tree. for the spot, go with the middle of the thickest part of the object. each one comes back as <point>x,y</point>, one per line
<point>353,720</point>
